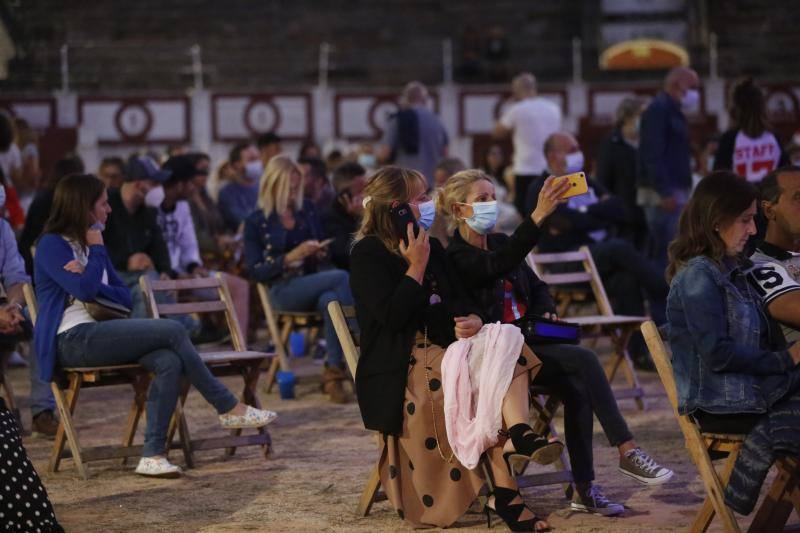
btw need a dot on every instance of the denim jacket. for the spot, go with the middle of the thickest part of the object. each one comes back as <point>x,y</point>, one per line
<point>722,358</point>
<point>266,244</point>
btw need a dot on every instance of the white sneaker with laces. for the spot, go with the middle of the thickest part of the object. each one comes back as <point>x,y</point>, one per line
<point>158,467</point>
<point>252,418</point>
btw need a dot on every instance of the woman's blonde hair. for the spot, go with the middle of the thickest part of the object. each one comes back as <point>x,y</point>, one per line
<point>387,185</point>
<point>275,188</point>
<point>456,190</point>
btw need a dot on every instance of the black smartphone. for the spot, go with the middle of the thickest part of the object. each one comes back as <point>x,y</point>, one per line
<point>401,217</point>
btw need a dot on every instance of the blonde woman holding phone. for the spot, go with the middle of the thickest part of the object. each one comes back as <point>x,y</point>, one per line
<point>283,248</point>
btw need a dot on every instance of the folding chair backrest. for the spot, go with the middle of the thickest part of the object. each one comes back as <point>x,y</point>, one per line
<point>349,348</point>
<point>30,301</point>
<point>588,274</point>
<point>663,362</point>
<point>219,300</point>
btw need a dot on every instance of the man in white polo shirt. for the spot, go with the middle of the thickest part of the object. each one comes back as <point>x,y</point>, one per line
<point>531,119</point>
<point>776,262</point>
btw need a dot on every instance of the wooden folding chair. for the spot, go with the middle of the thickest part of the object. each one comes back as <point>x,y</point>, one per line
<point>783,496</point>
<point>66,388</point>
<point>280,325</point>
<point>238,361</point>
<point>542,425</point>
<point>371,492</point>
<point>617,328</point>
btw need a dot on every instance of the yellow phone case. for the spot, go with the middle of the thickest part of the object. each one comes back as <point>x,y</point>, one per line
<point>577,183</point>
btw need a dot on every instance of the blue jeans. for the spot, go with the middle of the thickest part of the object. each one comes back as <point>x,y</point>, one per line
<point>313,292</point>
<point>161,346</point>
<point>41,397</point>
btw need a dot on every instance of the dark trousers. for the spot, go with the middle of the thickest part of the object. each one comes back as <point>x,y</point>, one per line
<point>577,377</point>
<point>627,276</point>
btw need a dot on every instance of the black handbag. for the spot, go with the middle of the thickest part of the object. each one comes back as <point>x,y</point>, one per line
<point>540,330</point>
<point>104,309</point>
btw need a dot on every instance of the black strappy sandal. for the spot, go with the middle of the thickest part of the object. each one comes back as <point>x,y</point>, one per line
<point>510,512</point>
<point>528,446</point>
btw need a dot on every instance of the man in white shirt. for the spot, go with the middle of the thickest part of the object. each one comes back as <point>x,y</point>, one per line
<point>175,219</point>
<point>531,119</point>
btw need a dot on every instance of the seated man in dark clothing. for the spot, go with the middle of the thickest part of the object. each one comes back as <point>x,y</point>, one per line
<point>39,210</point>
<point>133,238</point>
<point>594,219</point>
<point>340,221</point>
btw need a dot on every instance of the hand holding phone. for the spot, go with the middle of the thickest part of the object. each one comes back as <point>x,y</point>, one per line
<point>402,216</point>
<point>577,184</point>
<point>550,197</point>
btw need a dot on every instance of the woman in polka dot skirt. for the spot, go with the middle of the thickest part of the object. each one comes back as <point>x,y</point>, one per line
<point>410,306</point>
<point>23,501</point>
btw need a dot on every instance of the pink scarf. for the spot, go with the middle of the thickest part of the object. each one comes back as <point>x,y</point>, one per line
<point>471,429</point>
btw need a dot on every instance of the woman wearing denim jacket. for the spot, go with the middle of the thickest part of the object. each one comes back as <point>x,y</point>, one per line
<point>283,248</point>
<point>733,371</point>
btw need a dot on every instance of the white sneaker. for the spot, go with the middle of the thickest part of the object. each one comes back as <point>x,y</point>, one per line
<point>252,418</point>
<point>158,467</point>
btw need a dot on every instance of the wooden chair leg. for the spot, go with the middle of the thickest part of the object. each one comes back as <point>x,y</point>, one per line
<point>782,497</point>
<point>714,503</point>
<point>369,492</point>
<point>140,385</point>
<point>66,429</point>
<point>282,359</point>
<point>250,376</point>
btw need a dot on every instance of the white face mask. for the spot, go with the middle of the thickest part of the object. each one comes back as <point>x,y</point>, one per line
<point>690,100</point>
<point>574,162</point>
<point>253,170</point>
<point>154,197</point>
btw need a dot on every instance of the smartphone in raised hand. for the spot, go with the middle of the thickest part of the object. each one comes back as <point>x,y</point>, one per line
<point>402,216</point>
<point>577,184</point>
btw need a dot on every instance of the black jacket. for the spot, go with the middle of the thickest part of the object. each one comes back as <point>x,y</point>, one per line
<point>616,167</point>
<point>35,220</point>
<point>484,271</point>
<point>127,234</point>
<point>616,171</point>
<point>339,226</point>
<point>391,308</point>
<point>568,229</point>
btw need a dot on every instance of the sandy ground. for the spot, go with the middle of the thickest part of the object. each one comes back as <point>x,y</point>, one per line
<point>313,478</point>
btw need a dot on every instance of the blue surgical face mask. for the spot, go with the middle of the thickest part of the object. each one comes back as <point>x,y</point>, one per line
<point>253,170</point>
<point>574,162</point>
<point>427,212</point>
<point>484,216</point>
<point>366,160</point>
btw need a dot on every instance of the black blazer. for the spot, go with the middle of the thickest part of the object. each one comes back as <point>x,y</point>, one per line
<point>391,308</point>
<point>339,226</point>
<point>483,271</point>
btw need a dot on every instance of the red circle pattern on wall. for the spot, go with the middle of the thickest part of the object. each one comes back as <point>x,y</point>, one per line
<point>261,116</point>
<point>133,121</point>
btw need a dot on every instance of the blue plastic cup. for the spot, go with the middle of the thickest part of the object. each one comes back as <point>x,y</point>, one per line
<point>297,344</point>
<point>286,381</point>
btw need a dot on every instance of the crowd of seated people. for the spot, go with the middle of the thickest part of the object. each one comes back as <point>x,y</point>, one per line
<point>434,297</point>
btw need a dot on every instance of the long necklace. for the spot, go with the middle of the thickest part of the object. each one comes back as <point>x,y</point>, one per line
<point>430,400</point>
